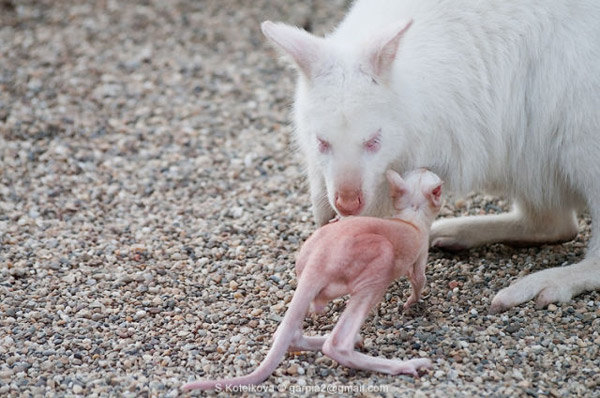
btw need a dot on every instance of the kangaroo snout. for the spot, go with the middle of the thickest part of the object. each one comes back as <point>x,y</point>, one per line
<point>349,202</point>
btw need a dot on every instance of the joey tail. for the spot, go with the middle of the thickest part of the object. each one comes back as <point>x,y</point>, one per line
<point>290,325</point>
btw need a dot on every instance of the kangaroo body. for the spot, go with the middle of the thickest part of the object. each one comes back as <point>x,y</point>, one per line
<point>502,97</point>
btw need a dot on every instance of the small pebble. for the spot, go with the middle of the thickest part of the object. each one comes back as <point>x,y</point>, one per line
<point>512,328</point>
<point>256,312</point>
<point>139,315</point>
<point>292,370</point>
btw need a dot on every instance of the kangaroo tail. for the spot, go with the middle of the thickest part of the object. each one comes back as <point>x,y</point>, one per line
<point>291,324</point>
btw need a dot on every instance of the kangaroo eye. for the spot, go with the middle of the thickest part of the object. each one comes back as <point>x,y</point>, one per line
<point>374,143</point>
<point>324,146</point>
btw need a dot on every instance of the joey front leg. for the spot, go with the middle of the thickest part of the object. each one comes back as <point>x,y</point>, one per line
<point>417,280</point>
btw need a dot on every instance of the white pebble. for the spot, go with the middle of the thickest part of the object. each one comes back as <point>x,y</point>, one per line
<point>139,315</point>
<point>236,212</point>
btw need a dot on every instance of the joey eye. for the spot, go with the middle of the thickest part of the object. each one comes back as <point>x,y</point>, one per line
<point>324,146</point>
<point>374,143</point>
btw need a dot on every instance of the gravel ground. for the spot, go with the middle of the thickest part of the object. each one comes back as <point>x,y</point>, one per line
<point>151,207</point>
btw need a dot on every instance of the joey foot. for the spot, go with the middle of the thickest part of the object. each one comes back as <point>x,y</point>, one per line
<point>412,367</point>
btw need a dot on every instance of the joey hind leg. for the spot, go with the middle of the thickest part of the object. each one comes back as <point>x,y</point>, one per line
<point>315,343</point>
<point>340,343</point>
<point>522,226</point>
<point>301,342</point>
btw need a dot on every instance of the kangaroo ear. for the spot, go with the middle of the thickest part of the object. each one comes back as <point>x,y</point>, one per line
<point>383,48</point>
<point>301,46</point>
<point>397,185</point>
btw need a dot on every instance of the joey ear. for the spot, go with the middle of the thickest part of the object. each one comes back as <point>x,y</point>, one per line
<point>435,194</point>
<point>304,48</point>
<point>397,184</point>
<point>382,50</point>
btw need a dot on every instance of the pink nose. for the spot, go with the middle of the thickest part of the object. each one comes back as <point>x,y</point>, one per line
<point>349,203</point>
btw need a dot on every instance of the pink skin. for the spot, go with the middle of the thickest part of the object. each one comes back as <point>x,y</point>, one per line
<point>359,256</point>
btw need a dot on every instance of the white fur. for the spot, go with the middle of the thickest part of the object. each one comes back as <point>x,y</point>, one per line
<point>495,96</point>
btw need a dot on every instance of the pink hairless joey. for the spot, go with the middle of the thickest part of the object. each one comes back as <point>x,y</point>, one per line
<point>359,256</point>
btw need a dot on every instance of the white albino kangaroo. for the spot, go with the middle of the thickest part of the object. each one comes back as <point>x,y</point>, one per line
<point>496,96</point>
